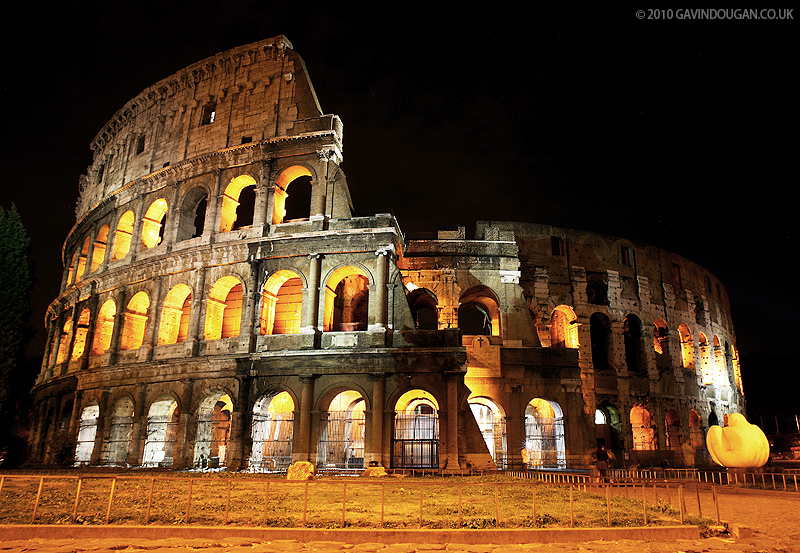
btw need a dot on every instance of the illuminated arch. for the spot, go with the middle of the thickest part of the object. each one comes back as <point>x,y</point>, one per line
<point>175,314</point>
<point>224,309</point>
<point>271,432</point>
<point>286,177</point>
<point>282,303</point>
<point>564,328</point>
<point>231,216</point>
<point>416,431</point>
<point>162,431</point>
<point>544,434</point>
<point>153,223</point>
<point>99,250</point>
<point>672,424</point>
<point>86,434</point>
<point>706,359</point>
<point>737,369</point>
<point>213,430</point>
<point>687,347</point>
<point>346,299</point>
<point>423,304</point>
<point>478,312</point>
<point>80,269</point>
<point>660,337</point>
<point>492,424</point>
<point>136,314</point>
<point>192,215</point>
<point>341,438</point>
<point>81,331</point>
<point>120,427</point>
<point>104,327</point>
<point>720,372</point>
<point>122,236</point>
<point>63,343</point>
<point>643,428</point>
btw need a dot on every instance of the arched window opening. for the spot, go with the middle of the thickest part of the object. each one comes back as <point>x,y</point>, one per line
<point>123,235</point>
<point>80,334</point>
<point>416,431</point>
<point>346,300</point>
<point>674,431</point>
<point>273,422</point>
<point>564,328</point>
<point>706,359</point>
<point>224,309</point>
<point>660,337</point>
<point>600,336</point>
<point>213,431</point>
<point>81,267</point>
<point>99,250</point>
<point>687,347</point>
<point>632,331</point>
<point>423,304</point>
<point>63,343</point>
<point>238,205</point>
<point>300,206</point>
<point>175,315</point>
<point>86,435</point>
<point>479,313</point>
<point>120,427</point>
<point>720,372</point>
<point>192,218</point>
<point>135,322</point>
<point>153,223</point>
<point>597,291</point>
<point>71,268</point>
<point>737,369</point>
<point>545,446</point>
<point>492,424</point>
<point>341,438</point>
<point>282,303</point>
<point>696,430</point>
<point>162,432</point>
<point>607,426</point>
<point>104,327</point>
<point>643,428</point>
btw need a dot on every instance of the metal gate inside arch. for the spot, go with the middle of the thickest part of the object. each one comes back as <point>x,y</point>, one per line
<point>416,438</point>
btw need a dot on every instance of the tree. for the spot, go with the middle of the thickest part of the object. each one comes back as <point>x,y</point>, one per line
<point>16,282</point>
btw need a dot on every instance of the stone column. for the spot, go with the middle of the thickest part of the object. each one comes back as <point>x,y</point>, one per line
<point>451,445</point>
<point>301,446</point>
<point>247,324</point>
<point>183,456</point>
<point>139,429</point>
<point>211,224</point>
<point>319,190</point>
<point>194,332</point>
<point>153,316</point>
<point>136,232</point>
<point>310,316</point>
<point>99,436</point>
<point>380,306</point>
<point>240,427</point>
<point>119,321</point>
<point>375,448</point>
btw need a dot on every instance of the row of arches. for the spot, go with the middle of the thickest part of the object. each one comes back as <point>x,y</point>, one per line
<point>114,240</point>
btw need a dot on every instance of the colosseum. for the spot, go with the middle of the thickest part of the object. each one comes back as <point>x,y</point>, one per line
<point>221,307</point>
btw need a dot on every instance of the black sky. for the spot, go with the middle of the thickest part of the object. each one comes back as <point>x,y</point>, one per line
<point>677,133</point>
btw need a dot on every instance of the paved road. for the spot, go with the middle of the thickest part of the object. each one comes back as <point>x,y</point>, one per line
<point>773,516</point>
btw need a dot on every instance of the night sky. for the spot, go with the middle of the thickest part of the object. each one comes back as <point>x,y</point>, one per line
<point>677,133</point>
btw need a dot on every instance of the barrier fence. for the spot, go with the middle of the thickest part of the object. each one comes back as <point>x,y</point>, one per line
<point>393,503</point>
<point>787,481</point>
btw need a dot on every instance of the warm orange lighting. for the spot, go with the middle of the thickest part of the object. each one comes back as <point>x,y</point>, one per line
<point>80,334</point>
<point>135,321</point>
<point>564,328</point>
<point>122,237</point>
<point>224,309</point>
<point>687,347</point>
<point>99,250</point>
<point>153,222</point>
<point>346,300</point>
<point>281,190</point>
<point>104,327</point>
<point>230,201</point>
<point>175,315</point>
<point>643,428</point>
<point>282,303</point>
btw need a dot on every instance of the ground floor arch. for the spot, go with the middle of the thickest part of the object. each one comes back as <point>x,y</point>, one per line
<point>86,434</point>
<point>272,432</point>
<point>492,424</point>
<point>416,431</point>
<point>544,435</point>
<point>162,429</point>
<point>341,437</point>
<point>119,429</point>
<point>213,431</point>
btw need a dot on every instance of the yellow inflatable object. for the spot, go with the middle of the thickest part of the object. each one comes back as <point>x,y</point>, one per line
<point>738,445</point>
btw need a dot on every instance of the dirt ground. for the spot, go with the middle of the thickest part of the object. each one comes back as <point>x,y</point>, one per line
<point>773,517</point>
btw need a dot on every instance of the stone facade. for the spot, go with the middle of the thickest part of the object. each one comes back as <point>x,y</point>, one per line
<point>221,307</point>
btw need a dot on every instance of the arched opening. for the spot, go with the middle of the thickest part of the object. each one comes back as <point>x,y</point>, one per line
<point>162,430</point>
<point>238,204</point>
<point>564,328</point>
<point>153,223</point>
<point>104,327</point>
<point>706,359</point>
<point>192,218</point>
<point>479,313</point>
<point>81,331</point>
<point>300,206</point>
<point>607,426</point>
<point>71,268</point>
<point>687,347</point>
<point>99,250</point>
<point>423,304</point>
<point>597,291</point>
<point>135,322</point>
<point>643,428</point>
<point>341,438</point>
<point>696,437</point>
<point>674,432</point>
<point>416,431</point>
<point>632,331</point>
<point>737,369</point>
<point>213,431</point>
<point>346,300</point>
<point>272,428</point>
<point>282,303</point>
<point>660,337</point>
<point>545,446</point>
<point>175,315</point>
<point>600,336</point>
<point>224,309</point>
<point>492,424</point>
<point>87,434</point>
<point>63,343</point>
<point>720,366</point>
<point>120,426</point>
<point>81,267</point>
<point>122,236</point>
